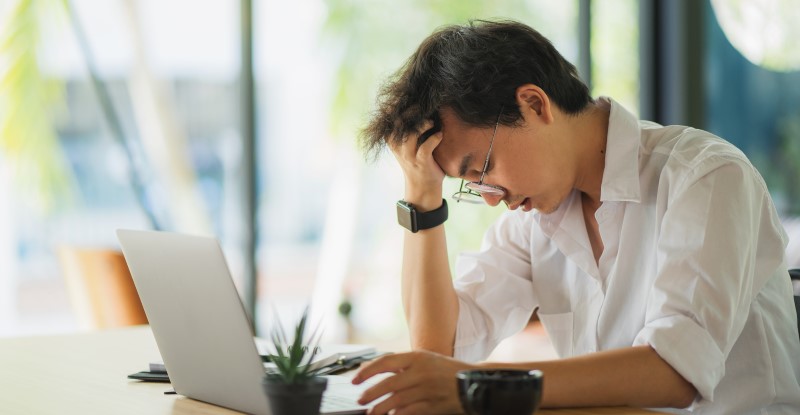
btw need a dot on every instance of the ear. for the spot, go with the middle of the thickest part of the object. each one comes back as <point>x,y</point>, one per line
<point>534,102</point>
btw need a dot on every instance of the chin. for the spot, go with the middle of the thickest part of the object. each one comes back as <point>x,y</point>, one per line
<point>548,209</point>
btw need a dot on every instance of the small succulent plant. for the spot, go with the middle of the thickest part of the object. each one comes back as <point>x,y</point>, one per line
<point>292,360</point>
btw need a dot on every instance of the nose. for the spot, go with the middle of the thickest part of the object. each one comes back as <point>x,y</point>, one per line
<point>492,199</point>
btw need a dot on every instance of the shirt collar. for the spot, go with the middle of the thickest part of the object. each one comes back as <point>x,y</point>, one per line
<point>621,172</point>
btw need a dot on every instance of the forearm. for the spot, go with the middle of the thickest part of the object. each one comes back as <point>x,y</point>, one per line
<point>429,300</point>
<point>633,376</point>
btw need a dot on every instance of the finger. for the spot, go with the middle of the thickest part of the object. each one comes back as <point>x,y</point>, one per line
<point>410,143</point>
<point>428,146</point>
<point>425,152</point>
<point>427,130</point>
<point>392,384</point>
<point>383,387</point>
<point>391,363</point>
<point>399,399</point>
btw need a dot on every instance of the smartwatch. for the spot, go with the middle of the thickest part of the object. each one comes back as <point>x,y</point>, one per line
<point>412,219</point>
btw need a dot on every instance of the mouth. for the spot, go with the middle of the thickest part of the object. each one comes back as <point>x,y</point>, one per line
<point>525,203</point>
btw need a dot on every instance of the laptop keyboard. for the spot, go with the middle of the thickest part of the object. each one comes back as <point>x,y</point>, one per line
<point>336,402</point>
<point>341,396</point>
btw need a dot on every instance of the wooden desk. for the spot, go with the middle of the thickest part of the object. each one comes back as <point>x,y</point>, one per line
<point>86,374</point>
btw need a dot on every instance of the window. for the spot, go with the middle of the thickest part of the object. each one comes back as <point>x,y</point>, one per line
<point>326,220</point>
<point>173,90</point>
<point>755,106</point>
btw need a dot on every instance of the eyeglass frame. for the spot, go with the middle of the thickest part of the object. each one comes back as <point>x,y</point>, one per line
<point>478,193</point>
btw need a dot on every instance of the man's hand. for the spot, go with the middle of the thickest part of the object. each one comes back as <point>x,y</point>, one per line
<point>424,383</point>
<point>423,177</point>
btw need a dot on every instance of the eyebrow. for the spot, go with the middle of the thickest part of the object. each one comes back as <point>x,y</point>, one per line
<point>465,162</point>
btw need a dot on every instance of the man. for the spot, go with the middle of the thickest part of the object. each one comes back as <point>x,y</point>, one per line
<point>653,255</point>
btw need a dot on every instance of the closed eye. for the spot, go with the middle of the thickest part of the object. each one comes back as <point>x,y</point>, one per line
<point>465,162</point>
<point>489,167</point>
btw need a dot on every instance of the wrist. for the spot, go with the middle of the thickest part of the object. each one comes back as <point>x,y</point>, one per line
<point>415,219</point>
<point>424,201</point>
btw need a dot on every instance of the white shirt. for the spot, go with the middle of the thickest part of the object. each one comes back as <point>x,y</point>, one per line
<point>693,265</point>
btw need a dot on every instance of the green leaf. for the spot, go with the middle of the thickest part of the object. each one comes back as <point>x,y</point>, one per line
<point>292,359</point>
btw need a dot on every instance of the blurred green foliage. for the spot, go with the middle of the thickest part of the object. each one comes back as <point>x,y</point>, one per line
<point>614,48</point>
<point>28,139</point>
<point>782,173</point>
<point>372,39</point>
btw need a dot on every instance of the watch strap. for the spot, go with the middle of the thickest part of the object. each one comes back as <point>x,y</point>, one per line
<point>433,218</point>
<point>413,220</point>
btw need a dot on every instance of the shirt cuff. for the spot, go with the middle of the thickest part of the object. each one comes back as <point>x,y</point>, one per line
<point>689,349</point>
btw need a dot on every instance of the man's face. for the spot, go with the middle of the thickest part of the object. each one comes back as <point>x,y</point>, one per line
<point>527,161</point>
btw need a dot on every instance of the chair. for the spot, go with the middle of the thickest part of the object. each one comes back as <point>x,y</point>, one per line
<point>101,288</point>
<point>795,276</point>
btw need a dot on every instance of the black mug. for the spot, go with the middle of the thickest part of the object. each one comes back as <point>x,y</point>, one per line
<point>498,391</point>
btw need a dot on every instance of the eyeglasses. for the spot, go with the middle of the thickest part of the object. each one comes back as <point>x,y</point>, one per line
<point>473,192</point>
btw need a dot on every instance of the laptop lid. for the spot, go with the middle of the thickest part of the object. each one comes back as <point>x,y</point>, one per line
<point>197,318</point>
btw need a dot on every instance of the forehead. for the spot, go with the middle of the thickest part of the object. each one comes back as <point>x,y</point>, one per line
<point>461,143</point>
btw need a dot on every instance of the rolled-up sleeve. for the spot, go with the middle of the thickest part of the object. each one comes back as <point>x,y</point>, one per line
<point>494,289</point>
<point>719,242</point>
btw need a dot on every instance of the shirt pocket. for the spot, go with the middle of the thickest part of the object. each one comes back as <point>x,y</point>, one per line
<point>559,328</point>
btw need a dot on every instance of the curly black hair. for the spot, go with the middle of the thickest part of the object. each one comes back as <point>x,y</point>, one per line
<point>473,69</point>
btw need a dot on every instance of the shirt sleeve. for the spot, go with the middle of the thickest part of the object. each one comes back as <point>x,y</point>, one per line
<point>720,241</point>
<point>494,289</point>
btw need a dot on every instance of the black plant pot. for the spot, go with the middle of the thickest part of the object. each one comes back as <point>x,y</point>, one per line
<point>294,398</point>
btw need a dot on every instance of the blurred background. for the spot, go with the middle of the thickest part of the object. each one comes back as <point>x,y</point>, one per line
<point>239,119</point>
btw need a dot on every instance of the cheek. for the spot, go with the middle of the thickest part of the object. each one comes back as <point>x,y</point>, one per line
<point>515,182</point>
<point>519,169</point>
<point>530,177</point>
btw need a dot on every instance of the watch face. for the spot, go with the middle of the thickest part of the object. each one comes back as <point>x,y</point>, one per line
<point>405,216</point>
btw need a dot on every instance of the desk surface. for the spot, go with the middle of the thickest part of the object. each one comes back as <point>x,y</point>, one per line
<point>86,373</point>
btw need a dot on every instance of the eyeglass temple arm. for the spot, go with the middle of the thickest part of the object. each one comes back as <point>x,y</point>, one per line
<point>491,144</point>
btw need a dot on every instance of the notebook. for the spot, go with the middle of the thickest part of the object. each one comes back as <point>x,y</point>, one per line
<point>200,325</point>
<point>330,358</point>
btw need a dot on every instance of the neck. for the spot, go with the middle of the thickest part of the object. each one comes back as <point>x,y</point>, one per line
<point>590,131</point>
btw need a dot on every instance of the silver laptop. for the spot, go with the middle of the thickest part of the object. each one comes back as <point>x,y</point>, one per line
<point>200,326</point>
